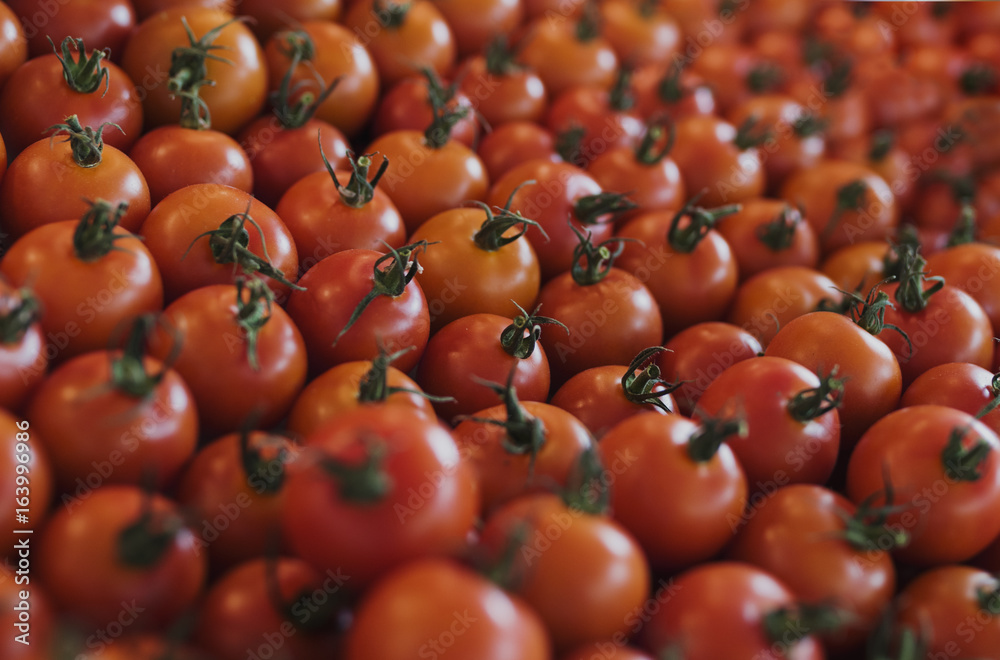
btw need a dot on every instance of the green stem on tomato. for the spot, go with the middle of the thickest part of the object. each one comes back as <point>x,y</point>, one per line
<point>85,74</point>
<point>520,337</point>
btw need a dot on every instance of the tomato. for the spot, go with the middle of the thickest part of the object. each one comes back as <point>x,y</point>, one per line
<point>486,347</point>
<point>970,267</point>
<point>640,34</point>
<point>403,38</point>
<point>375,490</point>
<point>103,277</point>
<point>953,608</point>
<point>844,202</point>
<point>137,646</point>
<point>600,397</point>
<point>943,466</point>
<point>741,599</point>
<point>675,485</point>
<point>279,597</point>
<point>361,384</point>
<point>434,606</point>
<point>13,44</point>
<point>672,90</point>
<point>716,155</point>
<point>429,173</point>
<point>26,488</point>
<point>769,233</point>
<point>481,262</point>
<point>589,120</point>
<point>189,235</point>
<point>605,651</point>
<point>23,355</point>
<point>766,302</point>
<point>268,18</point>
<point>568,52</point>
<point>407,106</point>
<point>553,546</point>
<point>697,356</point>
<point>233,489</point>
<point>395,316</point>
<point>146,8</point>
<point>513,143</point>
<point>825,550</point>
<point>123,418</point>
<point>240,87</point>
<point>609,313</point>
<point>240,353</point>
<point>45,90</point>
<point>476,22</point>
<point>857,267</point>
<point>873,381</point>
<point>335,53</point>
<point>841,105</point>
<point>500,90</point>
<point>100,23</point>
<point>172,157</point>
<point>687,266</point>
<point>518,448</point>
<point>960,385</point>
<point>42,620</point>
<point>82,170</point>
<point>560,191</point>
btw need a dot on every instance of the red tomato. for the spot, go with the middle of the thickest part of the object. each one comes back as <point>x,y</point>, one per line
<point>640,34</point>
<point>568,53</point>
<point>944,468</point>
<point>13,44</point>
<point>767,233</point>
<point>376,490</point>
<point>26,488</point>
<point>500,90</point>
<point>515,142</point>
<point>434,606</point>
<point>590,120</point>
<point>717,156</point>
<point>269,18</point>
<point>673,91</point>
<point>960,385</point>
<point>40,627</point>
<point>971,267</point>
<point>407,106</point>
<point>857,267</point>
<point>23,356</point>
<point>100,23</point>
<point>475,22</point>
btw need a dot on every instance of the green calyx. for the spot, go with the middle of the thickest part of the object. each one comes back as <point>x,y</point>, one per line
<point>493,234</point>
<point>686,238</point>
<point>19,310</point>
<point>519,338</point>
<point>501,57</point>
<point>965,228</point>
<point>83,74</point>
<point>910,293</point>
<point>444,117</point>
<point>128,368</point>
<point>391,15</point>
<point>653,148</point>
<point>795,623</point>
<point>867,529</point>
<point>621,97</point>
<point>253,311</point>
<point>294,114</point>
<point>364,482</point>
<point>850,197</point>
<point>642,384</point>
<point>752,134</point>
<point>592,263</point>
<point>374,386</point>
<point>263,468</point>
<point>189,73</point>
<point>764,78</point>
<point>704,443</point>
<point>525,435</point>
<point>86,143</point>
<point>964,461</point>
<point>779,233</point>
<point>94,236</point>
<point>815,402</point>
<point>586,487</point>
<point>143,543</point>
<point>869,312</point>
<point>591,208</point>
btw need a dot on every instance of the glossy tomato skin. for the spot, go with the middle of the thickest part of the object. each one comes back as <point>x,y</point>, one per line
<point>640,36</point>
<point>604,127</point>
<point>735,596</point>
<point>563,61</point>
<point>857,267</point>
<point>214,358</point>
<point>460,277</point>
<point>696,502</point>
<point>216,478</point>
<point>176,222</point>
<point>92,586</point>
<point>698,355</point>
<point>103,435</point>
<point>239,610</point>
<point>548,564</point>
<point>797,534</point>
<point>13,43</point>
<point>367,537</point>
<point>23,357</point>
<point>406,106</point>
<point>709,158</point>
<point>909,445</point>
<point>505,475</point>
<point>38,97</point>
<point>333,289</point>
<point>508,145</point>
<point>743,231</point>
<point>609,322</point>
<point>822,340</point>
<point>470,348</point>
<point>517,95</point>
<point>240,88</point>
<point>946,603</point>
<point>84,301</point>
<point>172,157</point>
<point>971,267</point>
<point>27,484</point>
<point>596,397</point>
<point>475,22</point>
<point>425,600</point>
<point>960,385</point>
<point>45,163</point>
<point>100,23</point>
<point>778,448</point>
<point>655,186</point>
<point>268,18</point>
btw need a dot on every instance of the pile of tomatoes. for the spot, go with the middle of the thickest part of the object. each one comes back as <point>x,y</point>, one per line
<point>499,329</point>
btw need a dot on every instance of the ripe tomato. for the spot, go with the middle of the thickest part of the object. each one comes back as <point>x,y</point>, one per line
<point>191,233</point>
<point>553,546</point>
<point>672,91</point>
<point>141,563</point>
<point>971,267</point>
<point>23,356</point>
<point>740,598</point>
<point>240,76</point>
<point>475,22</point>
<point>767,233</point>
<point>640,34</point>
<point>873,382</point>
<point>395,314</point>
<point>82,170</point>
<point>100,23</point>
<point>960,385</point>
<point>944,467</point>
<point>515,142</point>
<point>269,18</point>
<point>123,418</point>
<point>114,278</point>
<point>403,38</point>
<point>590,120</point>
<point>233,489</point>
<point>240,353</point>
<point>518,448</point>
<point>331,51</point>
<point>857,267</point>
<point>26,487</point>
<point>605,651</point>
<point>374,490</point>
<point>697,356</point>
<point>434,606</point>
<point>481,262</point>
<point>717,156</point>
<point>674,485</point>
<point>45,90</point>
<point>500,90</point>
<point>261,600</point>
<point>825,550</point>
<point>13,44</point>
<point>407,106</point>
<point>568,52</point>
